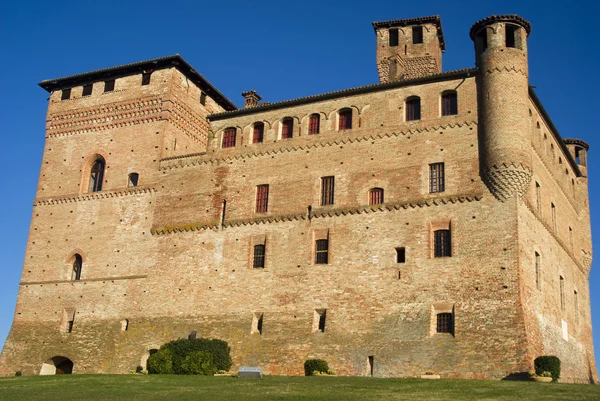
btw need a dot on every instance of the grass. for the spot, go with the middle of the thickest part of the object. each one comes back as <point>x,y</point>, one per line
<point>183,388</point>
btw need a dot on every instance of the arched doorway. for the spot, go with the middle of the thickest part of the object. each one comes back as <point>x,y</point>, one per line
<point>57,365</point>
<point>144,360</point>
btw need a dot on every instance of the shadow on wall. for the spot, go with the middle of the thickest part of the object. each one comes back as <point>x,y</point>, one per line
<point>57,365</point>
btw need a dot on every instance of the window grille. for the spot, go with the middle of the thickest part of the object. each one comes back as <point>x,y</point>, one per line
<point>66,94</point>
<point>445,323</point>
<point>87,90</point>
<point>322,252</point>
<point>314,124</point>
<point>441,242</point>
<point>327,190</point>
<point>413,109</point>
<point>146,78</point>
<point>376,196</point>
<point>436,177</point>
<point>259,256</point>
<point>109,85</point>
<point>229,138</point>
<point>449,104</point>
<point>417,34</point>
<point>262,198</point>
<point>345,120</point>
<point>287,128</point>
<point>96,176</point>
<point>259,130</point>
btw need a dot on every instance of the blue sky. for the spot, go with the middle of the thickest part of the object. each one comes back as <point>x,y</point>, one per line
<point>283,50</point>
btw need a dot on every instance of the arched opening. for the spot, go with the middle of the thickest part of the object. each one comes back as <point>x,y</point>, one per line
<point>77,266</point>
<point>133,180</point>
<point>97,175</point>
<point>144,360</point>
<point>57,365</point>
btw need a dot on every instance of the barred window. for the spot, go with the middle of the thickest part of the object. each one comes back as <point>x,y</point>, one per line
<point>96,175</point>
<point>66,94</point>
<point>376,196</point>
<point>327,190</point>
<point>87,90</point>
<point>345,119</point>
<point>109,85</point>
<point>393,37</point>
<point>445,323</point>
<point>322,251</point>
<point>259,256</point>
<point>413,108</point>
<point>259,130</point>
<point>77,266</point>
<point>287,128</point>
<point>417,34</point>
<point>449,103</point>
<point>262,198</point>
<point>146,78</point>
<point>229,138</point>
<point>442,243</point>
<point>314,124</point>
<point>436,177</point>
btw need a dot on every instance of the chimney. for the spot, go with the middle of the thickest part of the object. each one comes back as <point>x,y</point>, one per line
<point>251,99</point>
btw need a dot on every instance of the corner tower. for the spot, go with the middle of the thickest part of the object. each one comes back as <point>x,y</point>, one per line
<point>501,57</point>
<point>409,48</point>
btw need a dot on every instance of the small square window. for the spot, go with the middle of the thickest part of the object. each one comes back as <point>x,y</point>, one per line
<point>66,94</point>
<point>87,90</point>
<point>146,78</point>
<point>401,255</point>
<point>109,85</point>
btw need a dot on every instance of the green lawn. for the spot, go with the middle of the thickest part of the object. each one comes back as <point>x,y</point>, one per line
<point>182,388</point>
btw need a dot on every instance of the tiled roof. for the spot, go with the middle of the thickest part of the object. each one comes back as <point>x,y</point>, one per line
<point>135,68</point>
<point>466,72</point>
<point>500,18</point>
<point>433,19</point>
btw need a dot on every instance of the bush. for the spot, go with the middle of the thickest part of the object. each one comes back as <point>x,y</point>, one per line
<point>548,363</point>
<point>198,363</point>
<point>315,365</point>
<point>179,349</point>
<point>139,369</point>
<point>18,373</point>
<point>161,362</point>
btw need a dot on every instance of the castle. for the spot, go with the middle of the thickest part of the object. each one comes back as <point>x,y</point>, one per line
<point>432,221</point>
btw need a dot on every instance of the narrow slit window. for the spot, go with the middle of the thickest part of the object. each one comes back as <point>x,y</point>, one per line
<point>376,196</point>
<point>87,90</point>
<point>538,271</point>
<point>146,78</point>
<point>445,323</point>
<point>437,178</point>
<point>133,180</point>
<point>262,198</point>
<point>109,85</point>
<point>449,103</point>
<point>401,255</point>
<point>314,124</point>
<point>322,251</point>
<point>258,134</point>
<point>393,39</point>
<point>562,293</point>
<point>202,98</point>
<point>553,216</point>
<point>287,128</point>
<point>413,108</point>
<point>538,197</point>
<point>417,34</point>
<point>66,94</point>
<point>327,190</point>
<point>257,323</point>
<point>322,316</point>
<point>96,175</point>
<point>345,119</point>
<point>77,266</point>
<point>259,256</point>
<point>511,31</point>
<point>229,138</point>
<point>124,325</point>
<point>442,246</point>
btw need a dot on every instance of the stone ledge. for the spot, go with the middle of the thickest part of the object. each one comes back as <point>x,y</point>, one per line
<point>138,276</point>
<point>92,195</point>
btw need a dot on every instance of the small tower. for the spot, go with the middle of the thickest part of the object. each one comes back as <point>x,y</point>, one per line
<point>409,48</point>
<point>503,101</point>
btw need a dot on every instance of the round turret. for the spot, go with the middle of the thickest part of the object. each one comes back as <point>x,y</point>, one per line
<point>503,103</point>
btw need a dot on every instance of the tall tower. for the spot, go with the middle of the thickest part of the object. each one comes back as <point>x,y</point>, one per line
<point>503,98</point>
<point>409,48</point>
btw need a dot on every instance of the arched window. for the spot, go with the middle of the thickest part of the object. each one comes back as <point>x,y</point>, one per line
<point>413,108</point>
<point>314,124</point>
<point>287,128</point>
<point>449,103</point>
<point>97,175</point>
<point>228,138</point>
<point>259,132</point>
<point>77,266</point>
<point>375,196</point>
<point>345,121</point>
<point>133,180</point>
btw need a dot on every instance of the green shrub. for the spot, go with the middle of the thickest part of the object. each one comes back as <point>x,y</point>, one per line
<point>315,365</point>
<point>161,362</point>
<point>548,363</point>
<point>139,369</point>
<point>179,349</point>
<point>198,363</point>
<point>18,373</point>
